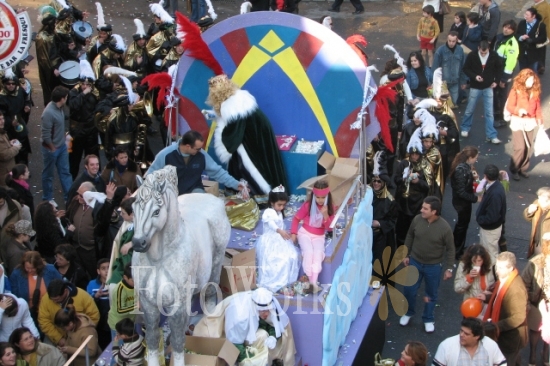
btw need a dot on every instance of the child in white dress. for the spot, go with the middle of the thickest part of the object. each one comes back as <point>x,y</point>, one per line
<point>276,256</point>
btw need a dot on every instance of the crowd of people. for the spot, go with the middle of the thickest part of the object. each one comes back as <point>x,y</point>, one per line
<point>474,62</point>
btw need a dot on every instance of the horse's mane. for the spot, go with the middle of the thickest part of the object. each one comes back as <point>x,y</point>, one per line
<point>155,185</point>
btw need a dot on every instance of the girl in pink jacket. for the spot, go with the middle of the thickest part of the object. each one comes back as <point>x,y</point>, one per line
<point>316,214</point>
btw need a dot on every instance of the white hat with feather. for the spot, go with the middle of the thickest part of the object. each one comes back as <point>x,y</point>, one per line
<point>101,25</point>
<point>159,12</point>
<point>140,30</point>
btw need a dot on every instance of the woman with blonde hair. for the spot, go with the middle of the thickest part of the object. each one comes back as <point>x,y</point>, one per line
<point>536,278</point>
<point>524,106</point>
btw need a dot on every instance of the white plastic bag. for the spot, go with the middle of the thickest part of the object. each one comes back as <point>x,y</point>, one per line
<point>542,143</point>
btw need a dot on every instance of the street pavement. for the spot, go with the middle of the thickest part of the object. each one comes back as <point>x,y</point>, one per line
<point>387,22</point>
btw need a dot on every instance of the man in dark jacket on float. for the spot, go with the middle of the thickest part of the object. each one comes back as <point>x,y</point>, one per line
<point>484,69</point>
<point>491,213</point>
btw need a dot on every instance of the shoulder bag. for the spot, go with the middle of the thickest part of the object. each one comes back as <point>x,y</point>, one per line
<point>540,45</point>
<point>444,7</point>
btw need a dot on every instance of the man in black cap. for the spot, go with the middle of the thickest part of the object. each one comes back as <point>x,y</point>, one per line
<point>47,56</point>
<point>83,99</point>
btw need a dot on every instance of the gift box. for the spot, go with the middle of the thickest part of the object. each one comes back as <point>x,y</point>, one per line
<point>238,272</point>
<point>285,142</point>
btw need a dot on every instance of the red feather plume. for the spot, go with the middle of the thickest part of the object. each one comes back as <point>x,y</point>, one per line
<point>383,96</point>
<point>356,38</point>
<point>193,43</point>
<point>161,80</point>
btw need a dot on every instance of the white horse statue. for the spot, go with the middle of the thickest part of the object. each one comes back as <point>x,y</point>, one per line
<point>179,245</point>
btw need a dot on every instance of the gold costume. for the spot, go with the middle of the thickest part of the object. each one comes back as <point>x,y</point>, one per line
<point>433,171</point>
<point>97,65</point>
<point>157,40</point>
<point>47,57</point>
<point>171,56</point>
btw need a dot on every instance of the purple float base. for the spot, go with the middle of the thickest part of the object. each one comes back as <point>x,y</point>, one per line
<point>307,318</point>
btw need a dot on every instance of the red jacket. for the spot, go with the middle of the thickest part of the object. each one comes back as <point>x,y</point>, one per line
<point>520,100</point>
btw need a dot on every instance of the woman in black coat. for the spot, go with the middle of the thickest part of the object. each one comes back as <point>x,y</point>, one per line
<point>18,180</point>
<point>51,232</point>
<point>531,56</point>
<point>462,184</point>
<point>66,263</point>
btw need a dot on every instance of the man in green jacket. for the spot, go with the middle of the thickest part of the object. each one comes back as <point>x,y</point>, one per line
<point>506,46</point>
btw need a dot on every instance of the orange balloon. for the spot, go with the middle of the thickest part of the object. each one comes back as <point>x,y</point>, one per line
<point>471,308</point>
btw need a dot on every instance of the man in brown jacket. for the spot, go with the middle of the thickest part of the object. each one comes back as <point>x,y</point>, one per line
<point>538,214</point>
<point>8,150</point>
<point>507,308</point>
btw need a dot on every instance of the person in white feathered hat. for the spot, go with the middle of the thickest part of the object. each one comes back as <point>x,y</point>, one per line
<point>82,102</point>
<point>136,58</point>
<point>159,32</point>
<point>113,55</point>
<point>101,41</point>
<point>433,169</point>
<point>252,320</point>
<point>122,125</point>
<point>412,186</point>
<point>415,116</point>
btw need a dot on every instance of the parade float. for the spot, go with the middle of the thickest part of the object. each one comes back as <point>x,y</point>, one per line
<point>317,93</point>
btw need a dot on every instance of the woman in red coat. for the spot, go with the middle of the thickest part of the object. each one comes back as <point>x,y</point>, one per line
<point>524,106</point>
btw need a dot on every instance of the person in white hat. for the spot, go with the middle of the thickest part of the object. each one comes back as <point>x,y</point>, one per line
<point>252,320</point>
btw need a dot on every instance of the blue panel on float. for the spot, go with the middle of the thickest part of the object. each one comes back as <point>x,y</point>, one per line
<point>300,167</point>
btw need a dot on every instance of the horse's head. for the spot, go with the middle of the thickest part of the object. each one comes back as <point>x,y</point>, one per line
<point>153,200</point>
